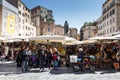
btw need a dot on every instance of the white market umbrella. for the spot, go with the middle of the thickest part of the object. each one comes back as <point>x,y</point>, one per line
<point>117,36</point>
<point>47,37</point>
<point>54,38</point>
<point>17,38</point>
<point>2,38</point>
<point>69,41</point>
<point>86,42</point>
<point>102,38</point>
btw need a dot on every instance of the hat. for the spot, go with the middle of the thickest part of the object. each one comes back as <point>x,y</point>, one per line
<point>43,46</point>
<point>80,49</point>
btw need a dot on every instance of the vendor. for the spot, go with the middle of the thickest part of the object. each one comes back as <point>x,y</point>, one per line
<point>81,54</point>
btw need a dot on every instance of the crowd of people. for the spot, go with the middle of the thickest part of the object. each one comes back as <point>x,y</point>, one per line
<point>26,57</point>
<point>43,57</point>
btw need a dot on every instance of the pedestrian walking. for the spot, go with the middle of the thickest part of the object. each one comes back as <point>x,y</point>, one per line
<point>41,58</point>
<point>55,59</point>
<point>25,59</point>
<point>19,57</point>
<point>49,58</point>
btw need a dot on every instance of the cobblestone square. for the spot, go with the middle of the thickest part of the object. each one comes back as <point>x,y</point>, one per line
<point>8,71</point>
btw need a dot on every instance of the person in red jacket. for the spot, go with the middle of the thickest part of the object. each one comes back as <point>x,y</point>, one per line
<point>55,58</point>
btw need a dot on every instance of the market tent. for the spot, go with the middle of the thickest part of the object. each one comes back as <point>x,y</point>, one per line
<point>47,37</point>
<point>102,38</point>
<point>2,38</point>
<point>54,38</point>
<point>17,38</point>
<point>117,36</point>
<point>68,41</point>
<point>86,42</point>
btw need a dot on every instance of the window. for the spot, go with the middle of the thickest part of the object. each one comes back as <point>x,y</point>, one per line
<point>107,23</point>
<point>44,12</point>
<point>104,18</point>
<point>19,34</point>
<point>41,11</point>
<point>110,13</point>
<point>113,29</point>
<point>19,12</point>
<point>48,28</point>
<point>110,21</point>
<point>113,11</point>
<point>108,7</point>
<point>107,31</point>
<point>32,12</point>
<point>26,27</point>
<point>107,15</point>
<point>23,14</point>
<point>26,20</point>
<point>28,16</point>
<point>35,22</point>
<point>23,21</point>
<point>20,20</point>
<point>110,30</point>
<point>113,19</point>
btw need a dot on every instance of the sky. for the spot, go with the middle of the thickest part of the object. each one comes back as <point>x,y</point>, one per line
<point>75,12</point>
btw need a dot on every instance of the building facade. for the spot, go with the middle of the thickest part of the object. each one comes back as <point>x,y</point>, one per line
<point>89,31</point>
<point>25,25</point>
<point>43,20</point>
<point>59,30</point>
<point>72,33</point>
<point>38,21</point>
<point>78,37</point>
<point>8,19</point>
<point>109,22</point>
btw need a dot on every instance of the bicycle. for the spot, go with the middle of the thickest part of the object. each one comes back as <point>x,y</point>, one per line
<point>83,65</point>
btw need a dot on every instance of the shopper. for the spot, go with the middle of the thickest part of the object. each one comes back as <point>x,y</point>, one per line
<point>55,59</point>
<point>41,58</point>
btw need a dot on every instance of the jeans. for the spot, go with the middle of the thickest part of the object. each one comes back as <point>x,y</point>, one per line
<point>41,64</point>
<point>24,65</point>
<point>55,64</point>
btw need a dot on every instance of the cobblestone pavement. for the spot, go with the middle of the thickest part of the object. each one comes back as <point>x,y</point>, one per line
<point>8,71</point>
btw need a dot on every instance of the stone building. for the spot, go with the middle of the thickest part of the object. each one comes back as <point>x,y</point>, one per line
<point>72,33</point>
<point>88,30</point>
<point>43,20</point>
<point>109,22</point>
<point>26,26</point>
